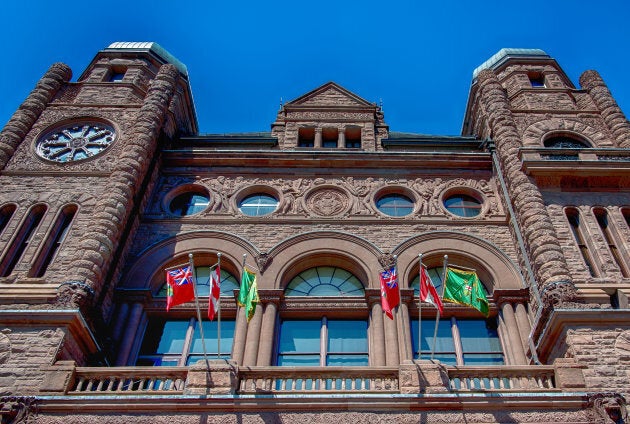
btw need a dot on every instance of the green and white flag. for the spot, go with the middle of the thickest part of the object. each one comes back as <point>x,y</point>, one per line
<point>464,287</point>
<point>248,294</point>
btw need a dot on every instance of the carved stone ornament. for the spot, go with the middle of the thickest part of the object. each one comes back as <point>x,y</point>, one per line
<point>622,344</point>
<point>263,260</point>
<point>327,202</point>
<point>74,294</point>
<point>609,408</point>
<point>17,409</point>
<point>559,294</point>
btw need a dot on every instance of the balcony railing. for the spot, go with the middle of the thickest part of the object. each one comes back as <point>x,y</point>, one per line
<point>318,379</point>
<point>228,378</point>
<point>504,378</point>
<point>129,380</point>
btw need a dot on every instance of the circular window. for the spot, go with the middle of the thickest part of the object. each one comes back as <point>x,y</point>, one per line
<point>463,205</point>
<point>395,205</point>
<point>258,204</point>
<point>76,141</point>
<point>189,203</point>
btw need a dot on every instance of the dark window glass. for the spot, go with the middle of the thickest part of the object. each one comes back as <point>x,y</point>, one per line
<point>5,216</point>
<point>306,137</point>
<point>116,76</point>
<point>330,137</point>
<point>395,205</point>
<point>562,142</point>
<point>23,239</point>
<point>353,138</point>
<point>463,205</point>
<point>258,205</point>
<point>189,203</point>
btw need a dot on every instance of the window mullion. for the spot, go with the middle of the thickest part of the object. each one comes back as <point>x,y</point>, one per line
<point>323,342</point>
<point>457,342</point>
<point>190,331</point>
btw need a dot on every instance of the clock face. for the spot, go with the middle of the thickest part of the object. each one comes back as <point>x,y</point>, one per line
<point>75,141</point>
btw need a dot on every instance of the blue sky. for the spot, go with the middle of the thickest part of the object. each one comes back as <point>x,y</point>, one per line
<point>243,57</point>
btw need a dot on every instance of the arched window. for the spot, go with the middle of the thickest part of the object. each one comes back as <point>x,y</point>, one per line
<point>228,282</point>
<point>22,240</point>
<point>610,236</point>
<point>326,340</point>
<point>565,142</point>
<point>56,237</point>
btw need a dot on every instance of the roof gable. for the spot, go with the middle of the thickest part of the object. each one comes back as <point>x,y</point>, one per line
<point>330,94</point>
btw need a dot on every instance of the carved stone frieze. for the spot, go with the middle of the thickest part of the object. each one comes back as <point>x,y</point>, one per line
<point>609,407</point>
<point>17,409</point>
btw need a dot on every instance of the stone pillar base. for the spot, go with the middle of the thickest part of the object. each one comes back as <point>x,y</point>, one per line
<point>422,376</point>
<point>218,376</point>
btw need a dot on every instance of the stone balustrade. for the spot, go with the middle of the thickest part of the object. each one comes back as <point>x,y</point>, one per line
<point>225,377</point>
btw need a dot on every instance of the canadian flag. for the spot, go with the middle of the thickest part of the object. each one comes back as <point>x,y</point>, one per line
<point>215,292</point>
<point>427,291</point>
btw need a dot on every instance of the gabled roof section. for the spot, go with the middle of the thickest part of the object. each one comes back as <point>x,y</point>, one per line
<point>330,94</point>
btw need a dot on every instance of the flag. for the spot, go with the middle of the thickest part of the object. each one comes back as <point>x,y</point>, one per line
<point>248,294</point>
<point>215,292</point>
<point>180,287</point>
<point>390,297</point>
<point>427,291</point>
<point>464,287</point>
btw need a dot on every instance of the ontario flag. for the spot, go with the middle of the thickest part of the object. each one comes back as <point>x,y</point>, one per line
<point>427,291</point>
<point>180,289</point>
<point>390,296</point>
<point>215,292</point>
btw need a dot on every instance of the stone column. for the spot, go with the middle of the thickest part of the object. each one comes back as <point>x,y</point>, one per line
<point>135,316</point>
<point>265,349</point>
<point>253,337</point>
<point>514,338</point>
<point>524,327</point>
<point>377,333</point>
<point>548,261</point>
<point>391,340</point>
<point>318,137</point>
<point>341,138</point>
<point>240,336</point>
<point>608,107</point>
<point>30,110</point>
<point>405,345</point>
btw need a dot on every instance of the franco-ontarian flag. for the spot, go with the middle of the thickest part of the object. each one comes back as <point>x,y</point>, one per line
<point>248,294</point>
<point>464,287</point>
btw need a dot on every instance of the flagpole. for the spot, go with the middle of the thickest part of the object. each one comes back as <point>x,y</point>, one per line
<point>420,306</point>
<point>203,339</point>
<point>398,281</point>
<point>218,307</point>
<point>437,317</point>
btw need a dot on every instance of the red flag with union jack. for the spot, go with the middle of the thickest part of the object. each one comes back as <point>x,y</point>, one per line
<point>390,296</point>
<point>215,292</point>
<point>180,289</point>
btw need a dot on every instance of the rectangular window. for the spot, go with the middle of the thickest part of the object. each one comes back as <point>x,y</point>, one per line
<point>353,137</point>
<point>330,137</point>
<point>306,137</point>
<point>178,342</point>
<point>344,343</point>
<point>459,341</point>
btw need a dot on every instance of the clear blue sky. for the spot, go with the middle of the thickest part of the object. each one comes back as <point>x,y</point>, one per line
<point>244,56</point>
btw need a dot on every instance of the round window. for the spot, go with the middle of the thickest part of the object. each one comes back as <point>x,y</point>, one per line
<point>395,205</point>
<point>258,204</point>
<point>189,203</point>
<point>463,205</point>
<point>75,141</point>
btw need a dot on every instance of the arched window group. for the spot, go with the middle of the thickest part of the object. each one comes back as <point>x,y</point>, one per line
<point>313,326</point>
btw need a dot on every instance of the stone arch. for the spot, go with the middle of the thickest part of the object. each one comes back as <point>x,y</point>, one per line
<point>535,133</point>
<point>318,248</point>
<point>147,271</point>
<point>493,265</point>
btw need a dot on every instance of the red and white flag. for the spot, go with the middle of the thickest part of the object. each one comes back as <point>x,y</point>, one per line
<point>215,292</point>
<point>180,287</point>
<point>427,291</point>
<point>390,297</point>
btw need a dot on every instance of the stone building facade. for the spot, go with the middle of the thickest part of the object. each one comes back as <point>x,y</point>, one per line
<point>106,182</point>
